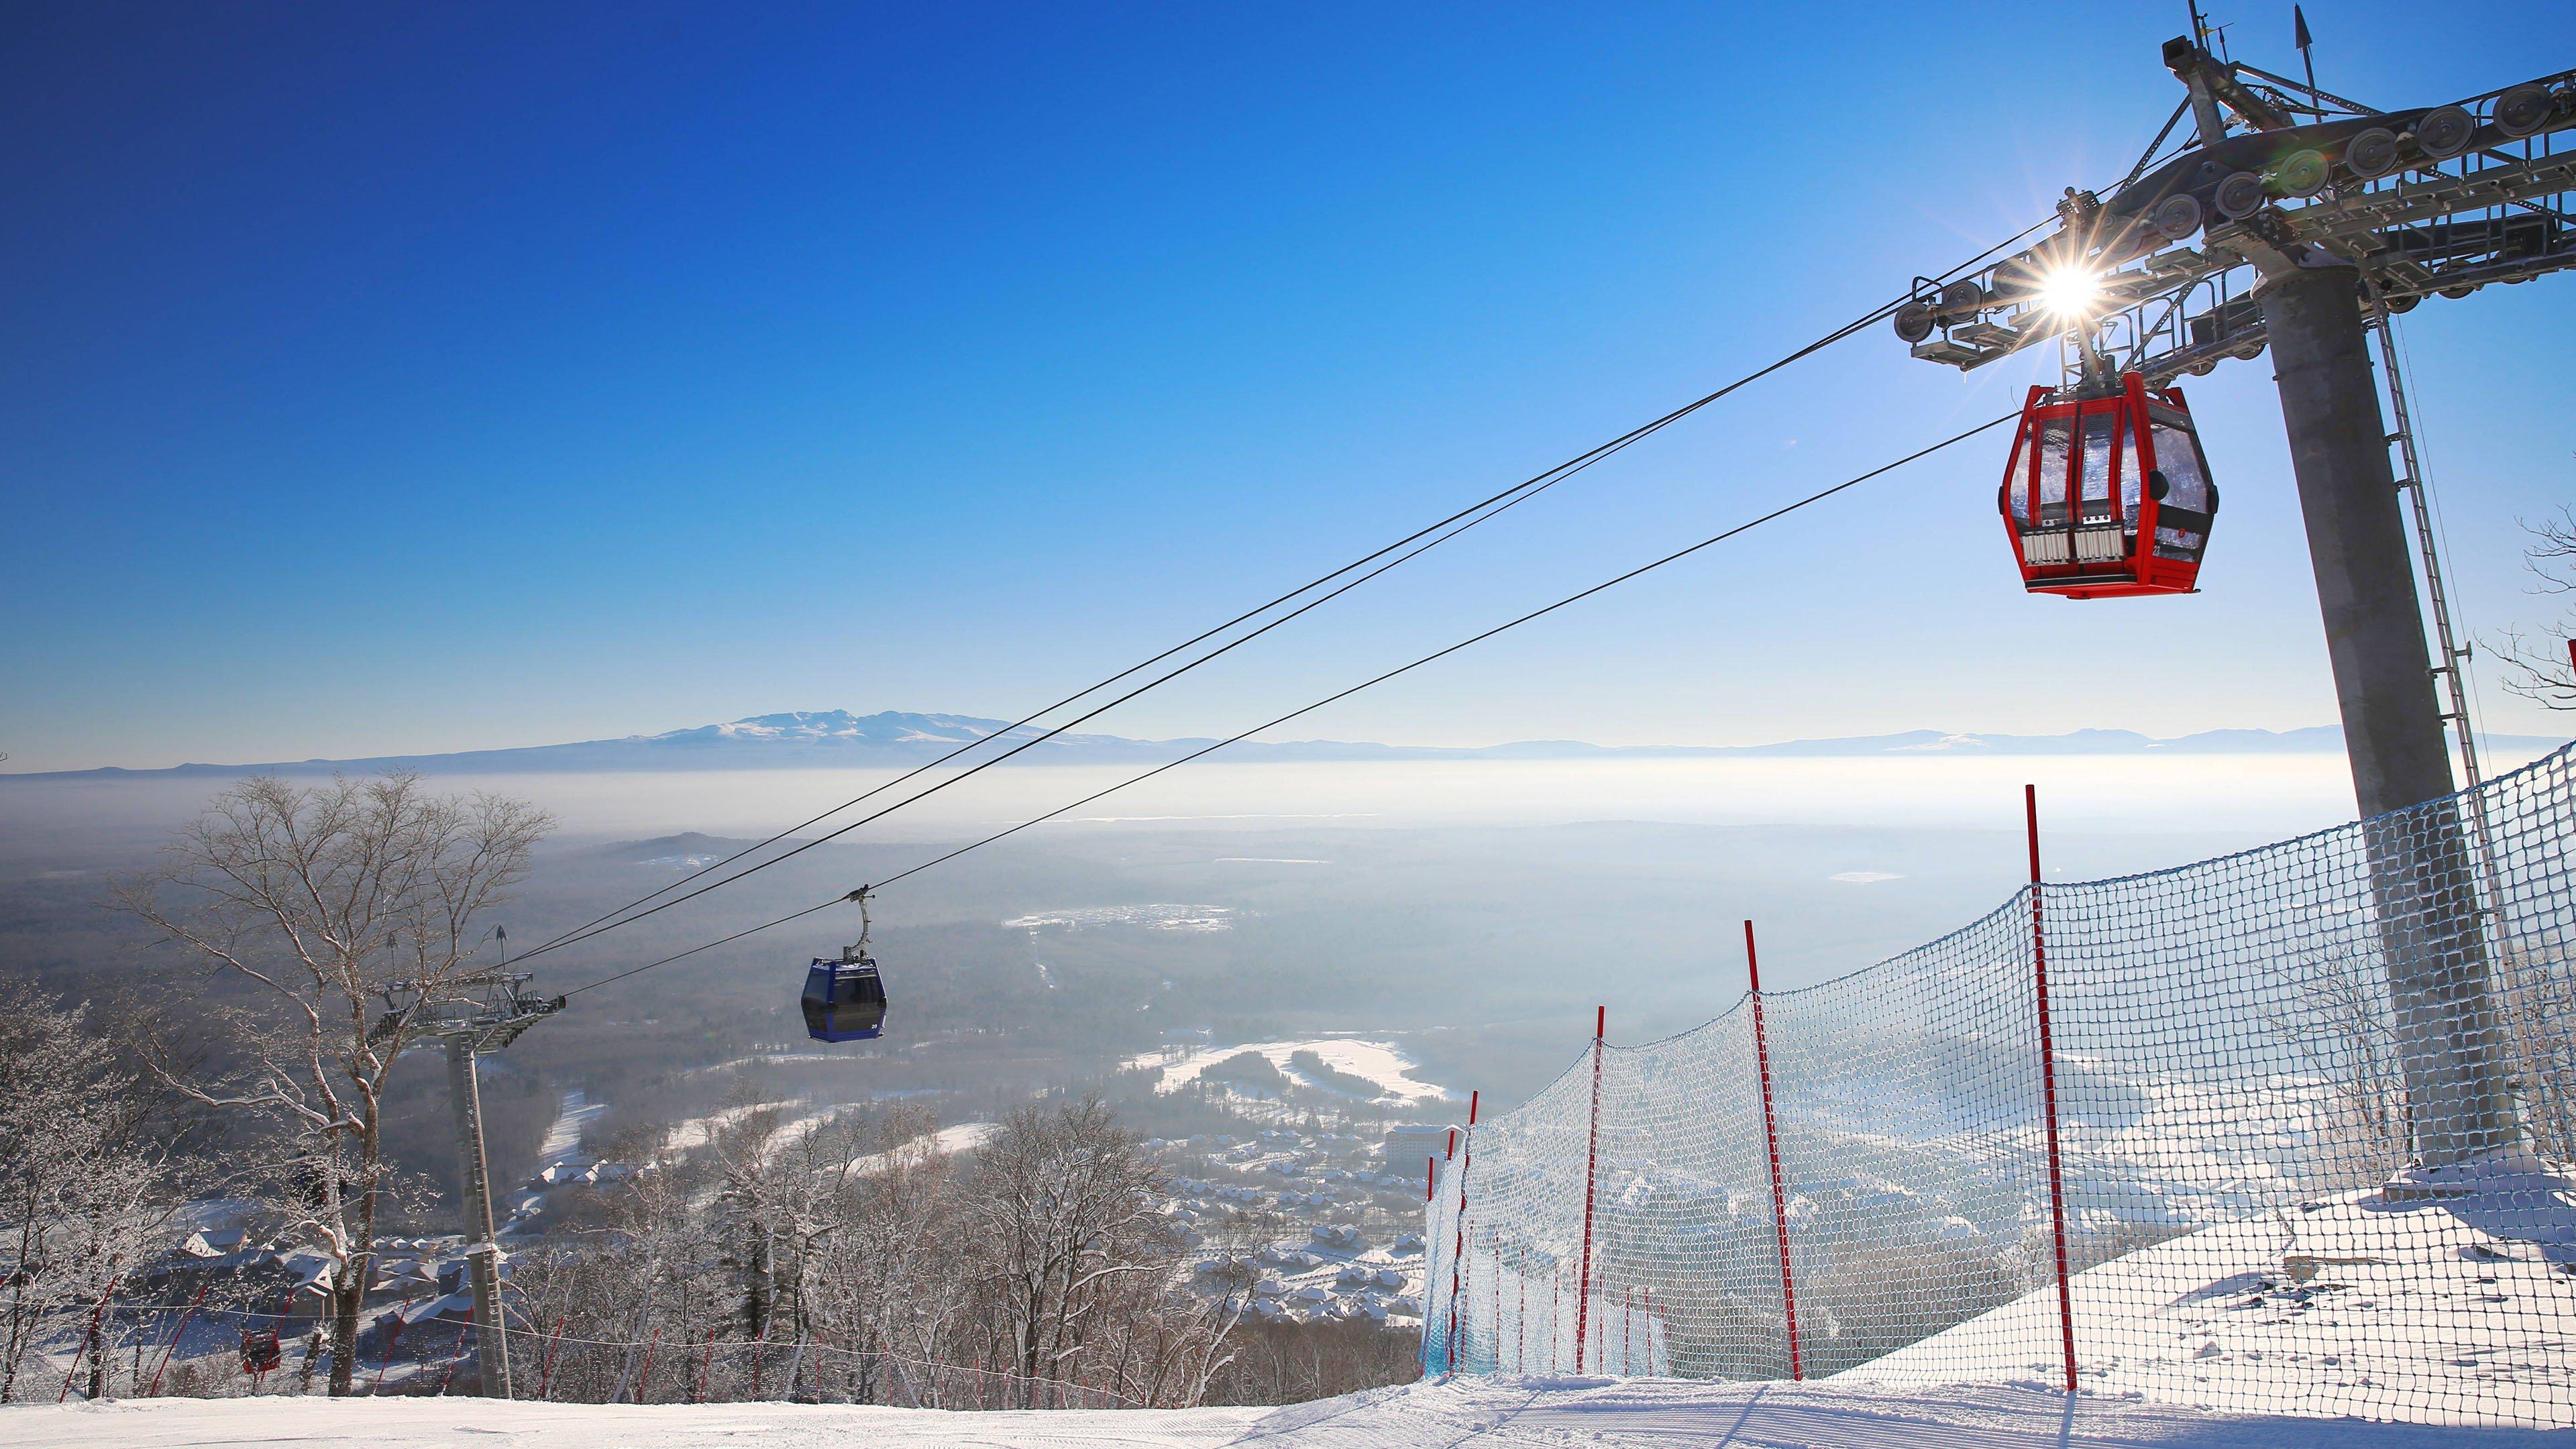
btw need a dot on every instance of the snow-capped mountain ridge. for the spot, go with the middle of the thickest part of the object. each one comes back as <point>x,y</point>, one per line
<point>896,738</point>
<point>889,728</point>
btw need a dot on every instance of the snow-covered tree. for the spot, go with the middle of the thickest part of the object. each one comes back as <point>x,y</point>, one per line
<point>849,1255</point>
<point>1062,1207</point>
<point>316,900</point>
<point>85,1181</point>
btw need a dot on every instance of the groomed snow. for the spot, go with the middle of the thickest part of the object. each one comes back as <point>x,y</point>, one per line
<point>1381,1062</point>
<point>1563,1413</point>
<point>699,1131</point>
<point>964,1137</point>
<point>2366,1307</point>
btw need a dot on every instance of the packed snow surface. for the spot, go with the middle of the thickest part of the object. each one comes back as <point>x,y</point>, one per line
<point>1380,1062</point>
<point>1156,917</point>
<point>964,1137</point>
<point>561,1150</point>
<point>699,1131</point>
<point>1491,1413</point>
<point>2425,1310</point>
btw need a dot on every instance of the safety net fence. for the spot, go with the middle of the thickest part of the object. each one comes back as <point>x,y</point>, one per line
<point>2286,1131</point>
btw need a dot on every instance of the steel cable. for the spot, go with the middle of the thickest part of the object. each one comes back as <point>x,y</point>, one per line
<point>1339,695</point>
<point>1455,524</point>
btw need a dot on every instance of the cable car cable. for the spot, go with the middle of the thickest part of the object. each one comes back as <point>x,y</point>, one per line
<point>1483,509</point>
<point>598,928</point>
<point>1471,516</point>
<point>711,945</point>
<point>1473,639</point>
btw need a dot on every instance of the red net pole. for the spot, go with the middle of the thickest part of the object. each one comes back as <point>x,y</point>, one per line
<point>1771,1139</point>
<point>393,1331</point>
<point>644,1379</point>
<point>88,1343</point>
<point>2048,1092</point>
<point>1458,1251</point>
<point>546,1373</point>
<point>154,1392</point>
<point>1591,1180</point>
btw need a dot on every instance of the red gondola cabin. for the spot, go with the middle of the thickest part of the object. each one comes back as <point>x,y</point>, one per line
<point>2107,496</point>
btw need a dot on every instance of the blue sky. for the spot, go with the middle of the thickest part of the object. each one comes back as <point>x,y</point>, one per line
<point>407,379</point>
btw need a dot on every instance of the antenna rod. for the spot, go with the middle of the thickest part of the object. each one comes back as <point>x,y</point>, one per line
<point>2306,43</point>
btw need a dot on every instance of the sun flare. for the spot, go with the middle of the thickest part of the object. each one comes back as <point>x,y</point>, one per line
<point>2070,291</point>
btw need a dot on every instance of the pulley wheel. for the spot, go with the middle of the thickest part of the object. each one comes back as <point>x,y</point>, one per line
<point>2301,173</point>
<point>2524,111</point>
<point>2407,303</point>
<point>2456,293</point>
<point>1914,321</point>
<point>2176,217</point>
<point>2444,131</point>
<point>2371,154</point>
<point>2018,276</point>
<point>1962,296</point>
<point>2202,369</point>
<point>2240,195</point>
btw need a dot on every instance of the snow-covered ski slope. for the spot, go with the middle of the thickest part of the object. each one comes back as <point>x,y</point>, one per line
<point>2357,1306</point>
<point>1478,1413</point>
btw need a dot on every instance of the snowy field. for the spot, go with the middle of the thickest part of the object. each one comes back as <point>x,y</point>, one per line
<point>1562,1413</point>
<point>1379,1062</point>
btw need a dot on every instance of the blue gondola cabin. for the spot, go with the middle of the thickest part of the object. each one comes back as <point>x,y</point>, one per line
<point>844,1000</point>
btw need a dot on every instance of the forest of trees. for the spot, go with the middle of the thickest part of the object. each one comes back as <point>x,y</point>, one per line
<point>1042,1258</point>
<point>304,934</point>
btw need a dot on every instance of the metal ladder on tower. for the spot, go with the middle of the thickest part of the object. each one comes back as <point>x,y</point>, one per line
<point>2455,685</point>
<point>2410,481</point>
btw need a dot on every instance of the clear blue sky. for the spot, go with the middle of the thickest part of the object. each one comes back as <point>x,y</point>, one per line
<point>409,378</point>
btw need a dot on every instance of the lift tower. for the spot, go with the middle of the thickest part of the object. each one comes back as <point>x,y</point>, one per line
<point>475,1014</point>
<point>2295,219</point>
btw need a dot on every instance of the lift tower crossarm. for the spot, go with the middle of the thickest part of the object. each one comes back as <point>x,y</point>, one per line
<point>2434,200</point>
<point>2216,83</point>
<point>475,1014</point>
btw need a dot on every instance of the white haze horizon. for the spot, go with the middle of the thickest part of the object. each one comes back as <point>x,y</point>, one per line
<point>2256,796</point>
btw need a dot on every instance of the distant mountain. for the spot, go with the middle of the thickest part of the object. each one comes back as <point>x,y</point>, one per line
<point>811,739</point>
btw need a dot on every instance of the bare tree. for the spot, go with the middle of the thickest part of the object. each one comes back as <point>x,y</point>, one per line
<point>318,900</point>
<point>877,1271</point>
<point>2342,1029</point>
<point>2541,669</point>
<point>847,1256</point>
<point>85,1179</point>
<point>1062,1206</point>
